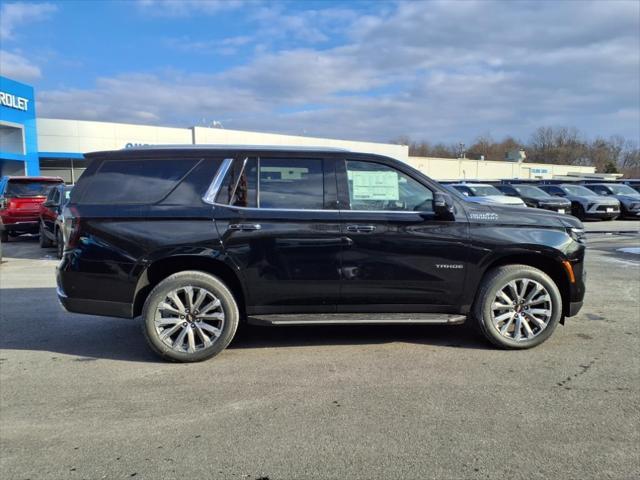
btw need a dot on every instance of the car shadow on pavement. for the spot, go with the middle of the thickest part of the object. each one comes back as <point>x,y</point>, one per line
<point>26,247</point>
<point>32,319</point>
<point>460,336</point>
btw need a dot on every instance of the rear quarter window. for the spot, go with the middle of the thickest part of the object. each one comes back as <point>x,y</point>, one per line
<point>135,181</point>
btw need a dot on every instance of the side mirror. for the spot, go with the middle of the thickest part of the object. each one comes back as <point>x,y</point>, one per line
<point>443,205</point>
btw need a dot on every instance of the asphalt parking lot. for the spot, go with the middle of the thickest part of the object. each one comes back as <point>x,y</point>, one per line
<point>83,398</point>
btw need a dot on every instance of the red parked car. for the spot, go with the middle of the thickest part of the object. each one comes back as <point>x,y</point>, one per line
<point>20,199</point>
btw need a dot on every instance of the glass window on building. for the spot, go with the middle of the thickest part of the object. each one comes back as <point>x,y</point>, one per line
<point>69,169</point>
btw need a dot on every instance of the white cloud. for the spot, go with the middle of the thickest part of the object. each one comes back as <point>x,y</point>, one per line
<point>184,8</point>
<point>432,70</point>
<point>219,46</point>
<point>14,15</point>
<point>14,65</point>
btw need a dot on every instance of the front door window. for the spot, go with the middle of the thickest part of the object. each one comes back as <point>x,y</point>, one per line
<point>377,187</point>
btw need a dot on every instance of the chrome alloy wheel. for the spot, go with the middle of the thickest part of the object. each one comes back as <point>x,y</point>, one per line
<point>189,319</point>
<point>521,309</point>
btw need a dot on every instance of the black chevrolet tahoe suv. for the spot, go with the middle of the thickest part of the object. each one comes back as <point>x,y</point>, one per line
<point>196,240</point>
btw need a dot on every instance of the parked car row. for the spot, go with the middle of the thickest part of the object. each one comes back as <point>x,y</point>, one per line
<point>20,200</point>
<point>52,218</point>
<point>605,201</point>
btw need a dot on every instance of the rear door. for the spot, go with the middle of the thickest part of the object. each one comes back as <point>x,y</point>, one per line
<point>279,224</point>
<point>398,256</point>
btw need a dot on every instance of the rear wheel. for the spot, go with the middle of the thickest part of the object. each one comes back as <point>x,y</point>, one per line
<point>4,236</point>
<point>517,306</point>
<point>190,316</point>
<point>44,240</point>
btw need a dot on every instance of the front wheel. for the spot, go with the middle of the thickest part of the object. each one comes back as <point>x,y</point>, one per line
<point>578,211</point>
<point>190,316</point>
<point>59,244</point>
<point>517,306</point>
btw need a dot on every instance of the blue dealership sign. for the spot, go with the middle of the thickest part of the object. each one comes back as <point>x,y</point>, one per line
<point>18,139</point>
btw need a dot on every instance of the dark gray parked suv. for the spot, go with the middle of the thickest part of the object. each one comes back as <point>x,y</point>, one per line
<point>628,197</point>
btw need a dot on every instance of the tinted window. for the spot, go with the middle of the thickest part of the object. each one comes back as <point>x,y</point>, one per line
<point>293,183</point>
<point>506,189</point>
<point>21,188</point>
<point>484,190</point>
<point>598,189</point>
<point>464,190</point>
<point>553,190</point>
<point>621,190</point>
<point>577,190</point>
<point>531,191</point>
<point>135,181</point>
<point>373,186</point>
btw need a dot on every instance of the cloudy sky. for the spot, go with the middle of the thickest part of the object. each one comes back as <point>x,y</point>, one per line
<point>439,71</point>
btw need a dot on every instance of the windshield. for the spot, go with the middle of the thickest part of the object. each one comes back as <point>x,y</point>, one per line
<point>531,191</point>
<point>484,190</point>
<point>622,190</point>
<point>577,190</point>
<point>29,189</point>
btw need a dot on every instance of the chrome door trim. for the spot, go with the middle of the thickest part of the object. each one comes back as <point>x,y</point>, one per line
<point>212,191</point>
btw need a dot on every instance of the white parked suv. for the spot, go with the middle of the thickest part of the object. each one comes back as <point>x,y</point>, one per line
<point>486,194</point>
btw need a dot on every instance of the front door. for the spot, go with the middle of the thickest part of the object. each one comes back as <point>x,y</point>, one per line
<point>280,227</point>
<point>397,252</point>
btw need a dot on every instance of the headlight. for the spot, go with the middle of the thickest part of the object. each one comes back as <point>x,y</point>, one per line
<point>577,234</point>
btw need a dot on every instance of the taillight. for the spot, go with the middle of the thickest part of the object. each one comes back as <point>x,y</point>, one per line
<point>72,228</point>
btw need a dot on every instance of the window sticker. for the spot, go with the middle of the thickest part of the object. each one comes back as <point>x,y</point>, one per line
<point>378,185</point>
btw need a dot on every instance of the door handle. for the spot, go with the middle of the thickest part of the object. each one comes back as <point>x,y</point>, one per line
<point>245,226</point>
<point>361,228</point>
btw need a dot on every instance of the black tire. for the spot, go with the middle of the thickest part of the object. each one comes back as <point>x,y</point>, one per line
<point>195,279</point>
<point>496,279</point>
<point>578,211</point>
<point>4,236</point>
<point>59,244</point>
<point>44,240</point>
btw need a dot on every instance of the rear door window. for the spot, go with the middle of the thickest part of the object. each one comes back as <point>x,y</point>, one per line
<point>291,183</point>
<point>136,181</point>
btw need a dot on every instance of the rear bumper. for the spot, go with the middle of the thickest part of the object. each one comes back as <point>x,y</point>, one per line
<point>27,226</point>
<point>94,307</point>
<point>90,306</point>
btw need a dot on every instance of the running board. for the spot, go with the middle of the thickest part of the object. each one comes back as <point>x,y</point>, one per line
<point>357,319</point>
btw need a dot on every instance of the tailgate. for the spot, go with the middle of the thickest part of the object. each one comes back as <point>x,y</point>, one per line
<point>19,207</point>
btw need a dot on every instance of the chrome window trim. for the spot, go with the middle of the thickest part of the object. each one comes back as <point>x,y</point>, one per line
<point>212,191</point>
<point>320,210</point>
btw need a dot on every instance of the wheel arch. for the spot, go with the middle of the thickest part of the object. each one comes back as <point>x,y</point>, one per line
<point>162,268</point>
<point>548,264</point>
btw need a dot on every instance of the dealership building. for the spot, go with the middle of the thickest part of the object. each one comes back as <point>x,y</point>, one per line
<point>44,146</point>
